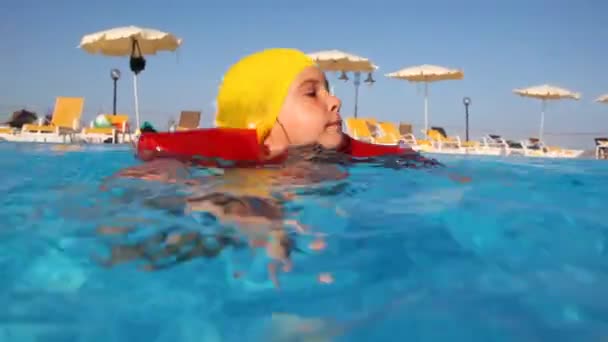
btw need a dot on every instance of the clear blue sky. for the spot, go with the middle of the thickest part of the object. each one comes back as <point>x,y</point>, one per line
<point>500,47</point>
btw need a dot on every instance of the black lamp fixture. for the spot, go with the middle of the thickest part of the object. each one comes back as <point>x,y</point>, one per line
<point>466,101</point>
<point>343,76</point>
<point>115,75</point>
<point>370,80</point>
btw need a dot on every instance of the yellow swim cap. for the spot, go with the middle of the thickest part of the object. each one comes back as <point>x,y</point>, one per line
<point>254,89</point>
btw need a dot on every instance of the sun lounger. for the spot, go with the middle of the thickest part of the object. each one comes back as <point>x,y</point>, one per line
<point>369,130</point>
<point>188,120</point>
<point>601,148</point>
<point>118,131</point>
<point>64,123</point>
<point>442,141</point>
<point>406,133</point>
<point>535,147</point>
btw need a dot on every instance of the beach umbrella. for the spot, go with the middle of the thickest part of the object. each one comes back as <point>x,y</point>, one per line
<point>135,42</point>
<point>426,74</point>
<point>545,93</point>
<point>602,99</point>
<point>340,61</point>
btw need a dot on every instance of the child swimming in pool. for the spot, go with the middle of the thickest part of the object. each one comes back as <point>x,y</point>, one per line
<point>284,96</point>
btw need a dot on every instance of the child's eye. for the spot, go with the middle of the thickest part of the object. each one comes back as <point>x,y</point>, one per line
<point>311,93</point>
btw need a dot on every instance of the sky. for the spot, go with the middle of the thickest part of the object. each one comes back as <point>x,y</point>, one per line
<point>499,45</point>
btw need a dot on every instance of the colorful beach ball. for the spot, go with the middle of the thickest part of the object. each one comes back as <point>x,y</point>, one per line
<point>101,121</point>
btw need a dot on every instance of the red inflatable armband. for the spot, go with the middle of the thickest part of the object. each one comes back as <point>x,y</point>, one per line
<point>210,146</point>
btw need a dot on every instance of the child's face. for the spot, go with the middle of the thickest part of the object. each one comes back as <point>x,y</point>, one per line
<point>309,114</point>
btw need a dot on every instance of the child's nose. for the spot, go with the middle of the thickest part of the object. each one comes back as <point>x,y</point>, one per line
<point>333,104</point>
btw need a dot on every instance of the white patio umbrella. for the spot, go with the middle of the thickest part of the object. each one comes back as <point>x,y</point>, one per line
<point>135,42</point>
<point>336,60</point>
<point>546,92</point>
<point>602,99</point>
<point>426,73</point>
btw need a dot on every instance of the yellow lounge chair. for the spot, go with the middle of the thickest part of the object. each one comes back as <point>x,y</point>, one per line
<point>405,130</point>
<point>560,152</point>
<point>358,129</point>
<point>478,147</point>
<point>8,133</point>
<point>7,130</point>
<point>389,133</point>
<point>471,144</point>
<point>188,120</point>
<point>384,132</point>
<point>537,148</point>
<point>403,133</point>
<point>368,130</point>
<point>120,125</point>
<point>65,119</point>
<point>378,135</point>
<point>601,148</point>
<point>438,136</point>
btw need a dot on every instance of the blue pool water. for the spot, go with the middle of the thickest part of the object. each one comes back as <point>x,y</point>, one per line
<point>519,253</point>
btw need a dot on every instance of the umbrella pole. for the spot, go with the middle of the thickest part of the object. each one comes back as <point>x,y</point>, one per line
<point>426,107</point>
<point>138,64</point>
<point>136,101</point>
<point>357,83</point>
<point>542,119</point>
<point>356,99</point>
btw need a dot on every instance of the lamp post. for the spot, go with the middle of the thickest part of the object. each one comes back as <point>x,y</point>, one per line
<point>357,82</point>
<point>467,102</point>
<point>115,75</point>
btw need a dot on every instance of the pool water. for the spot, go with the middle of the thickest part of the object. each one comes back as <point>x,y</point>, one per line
<point>519,253</point>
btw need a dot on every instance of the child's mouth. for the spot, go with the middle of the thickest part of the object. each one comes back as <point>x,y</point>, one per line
<point>335,123</point>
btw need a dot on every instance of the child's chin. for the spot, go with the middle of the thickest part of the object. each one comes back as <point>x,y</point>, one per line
<point>331,138</point>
